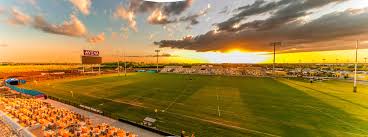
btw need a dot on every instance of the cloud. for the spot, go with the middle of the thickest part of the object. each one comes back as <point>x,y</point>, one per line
<point>157,17</point>
<point>97,39</point>
<point>168,8</point>
<point>290,11</point>
<point>3,45</point>
<point>164,0</point>
<point>122,13</point>
<point>74,27</point>
<point>83,5</point>
<point>1,10</point>
<point>17,17</point>
<point>159,13</point>
<point>176,8</point>
<point>32,2</point>
<point>333,31</point>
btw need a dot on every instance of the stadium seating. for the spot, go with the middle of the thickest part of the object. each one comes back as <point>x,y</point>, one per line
<point>216,70</point>
<point>30,112</point>
<point>6,131</point>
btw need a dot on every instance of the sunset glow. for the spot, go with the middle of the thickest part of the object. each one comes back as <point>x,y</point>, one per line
<point>196,31</point>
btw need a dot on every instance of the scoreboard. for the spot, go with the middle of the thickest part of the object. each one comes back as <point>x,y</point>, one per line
<point>91,57</point>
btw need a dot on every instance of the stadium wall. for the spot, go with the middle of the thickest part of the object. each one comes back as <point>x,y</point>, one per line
<point>24,91</point>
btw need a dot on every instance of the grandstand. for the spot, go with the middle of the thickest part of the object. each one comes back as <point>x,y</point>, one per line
<point>25,116</point>
<point>6,130</point>
<point>216,70</point>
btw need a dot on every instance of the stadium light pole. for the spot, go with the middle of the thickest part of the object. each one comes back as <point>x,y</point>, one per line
<point>355,67</point>
<point>274,44</point>
<point>125,65</point>
<point>157,51</point>
<point>118,63</point>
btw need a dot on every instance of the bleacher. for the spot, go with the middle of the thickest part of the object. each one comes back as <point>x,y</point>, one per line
<point>216,70</point>
<point>29,113</point>
<point>6,130</point>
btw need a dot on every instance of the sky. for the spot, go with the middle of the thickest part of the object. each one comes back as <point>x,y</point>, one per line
<point>206,31</point>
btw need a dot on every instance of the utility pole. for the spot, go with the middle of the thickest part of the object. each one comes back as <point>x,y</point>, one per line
<point>356,65</point>
<point>157,51</point>
<point>274,44</point>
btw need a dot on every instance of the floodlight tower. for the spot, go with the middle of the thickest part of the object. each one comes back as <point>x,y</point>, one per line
<point>274,44</point>
<point>118,64</point>
<point>355,67</point>
<point>157,51</point>
<point>125,63</point>
<point>125,66</point>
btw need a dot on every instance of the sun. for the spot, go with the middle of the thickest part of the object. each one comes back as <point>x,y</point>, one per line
<point>234,56</point>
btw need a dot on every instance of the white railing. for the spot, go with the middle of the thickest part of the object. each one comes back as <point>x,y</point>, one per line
<point>18,129</point>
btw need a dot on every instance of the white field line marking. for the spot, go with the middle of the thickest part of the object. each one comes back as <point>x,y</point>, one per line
<point>173,102</point>
<point>226,125</point>
<point>333,117</point>
<point>329,115</point>
<point>218,106</point>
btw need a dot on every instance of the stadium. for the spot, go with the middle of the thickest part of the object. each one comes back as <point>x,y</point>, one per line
<point>203,104</point>
<point>184,68</point>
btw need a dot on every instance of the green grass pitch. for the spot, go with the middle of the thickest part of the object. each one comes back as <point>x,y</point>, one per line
<point>221,106</point>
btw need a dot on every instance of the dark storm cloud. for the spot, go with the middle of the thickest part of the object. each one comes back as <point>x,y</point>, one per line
<point>168,8</point>
<point>163,19</point>
<point>282,12</point>
<point>330,32</point>
<point>143,6</point>
<point>176,8</point>
<point>169,11</point>
<point>258,7</point>
<point>284,24</point>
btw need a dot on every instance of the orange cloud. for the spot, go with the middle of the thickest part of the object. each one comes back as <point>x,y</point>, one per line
<point>82,5</point>
<point>157,17</point>
<point>97,39</point>
<point>73,27</point>
<point>18,17</point>
<point>127,15</point>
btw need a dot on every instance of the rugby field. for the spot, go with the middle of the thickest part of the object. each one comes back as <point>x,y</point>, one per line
<point>222,106</point>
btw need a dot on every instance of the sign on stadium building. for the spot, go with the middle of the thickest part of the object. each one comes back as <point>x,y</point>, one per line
<point>91,57</point>
<point>91,53</point>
